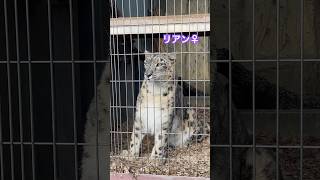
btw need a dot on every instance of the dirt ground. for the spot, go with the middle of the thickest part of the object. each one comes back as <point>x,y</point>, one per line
<point>191,161</point>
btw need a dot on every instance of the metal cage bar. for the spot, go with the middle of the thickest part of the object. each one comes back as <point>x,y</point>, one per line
<point>9,88</point>
<point>75,134</point>
<point>277,95</point>
<point>301,86</point>
<point>1,145</point>
<point>20,139</point>
<point>19,88</point>
<point>52,85</point>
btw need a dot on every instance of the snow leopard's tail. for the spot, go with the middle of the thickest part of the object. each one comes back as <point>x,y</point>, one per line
<point>199,128</point>
<point>192,130</point>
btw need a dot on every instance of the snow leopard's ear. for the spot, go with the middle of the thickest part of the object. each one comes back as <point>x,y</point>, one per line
<point>147,54</point>
<point>147,60</point>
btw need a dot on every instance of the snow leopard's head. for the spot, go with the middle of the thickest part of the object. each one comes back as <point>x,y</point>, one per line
<point>159,67</point>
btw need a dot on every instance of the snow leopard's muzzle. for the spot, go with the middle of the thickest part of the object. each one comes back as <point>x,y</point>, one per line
<point>158,77</point>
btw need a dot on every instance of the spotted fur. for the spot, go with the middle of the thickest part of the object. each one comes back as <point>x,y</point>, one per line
<point>159,109</point>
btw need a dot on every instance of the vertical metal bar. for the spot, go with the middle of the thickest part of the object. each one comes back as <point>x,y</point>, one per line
<point>111,101</point>
<point>95,83</point>
<point>74,101</point>
<point>301,86</point>
<point>138,40</point>
<point>253,93</point>
<point>277,95</point>
<point>167,47</point>
<point>152,51</point>
<point>113,77</point>
<point>30,91</point>
<point>19,87</point>
<point>117,89</point>
<point>118,92</point>
<point>145,40</point>
<point>139,68</point>
<point>125,72</point>
<point>1,144</point>
<point>132,71</point>
<point>189,79</point>
<point>189,64</point>
<point>204,67</point>
<point>159,44</point>
<point>182,78</point>
<point>114,94</point>
<point>127,90</point>
<point>116,76</point>
<point>197,78</point>
<point>151,12</point>
<point>230,93</point>
<point>159,49</point>
<point>52,92</point>
<point>132,75</point>
<point>9,89</point>
<point>111,69</point>
<point>174,75</point>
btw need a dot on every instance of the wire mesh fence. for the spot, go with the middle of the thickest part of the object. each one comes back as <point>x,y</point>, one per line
<point>138,45</point>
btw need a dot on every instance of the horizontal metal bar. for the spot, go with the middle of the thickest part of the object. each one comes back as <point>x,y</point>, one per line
<point>55,61</point>
<point>187,107</point>
<point>274,111</point>
<point>51,143</point>
<point>264,60</point>
<point>113,156</point>
<point>177,52</point>
<point>185,80</point>
<point>264,146</point>
<point>129,132</point>
<point>108,61</point>
<point>160,24</point>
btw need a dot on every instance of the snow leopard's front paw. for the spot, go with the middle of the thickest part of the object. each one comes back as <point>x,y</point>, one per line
<point>124,153</point>
<point>159,157</point>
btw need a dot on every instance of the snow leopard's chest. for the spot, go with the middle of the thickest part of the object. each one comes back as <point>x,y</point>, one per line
<point>154,113</point>
<point>154,110</point>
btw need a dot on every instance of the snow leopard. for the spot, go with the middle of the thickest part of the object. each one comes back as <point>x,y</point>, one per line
<point>160,110</point>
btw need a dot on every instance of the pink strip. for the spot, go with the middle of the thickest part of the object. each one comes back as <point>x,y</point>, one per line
<point>152,177</point>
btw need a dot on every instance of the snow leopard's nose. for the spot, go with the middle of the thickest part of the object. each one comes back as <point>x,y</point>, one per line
<point>149,76</point>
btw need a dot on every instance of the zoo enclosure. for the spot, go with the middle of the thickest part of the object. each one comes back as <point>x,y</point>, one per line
<point>137,26</point>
